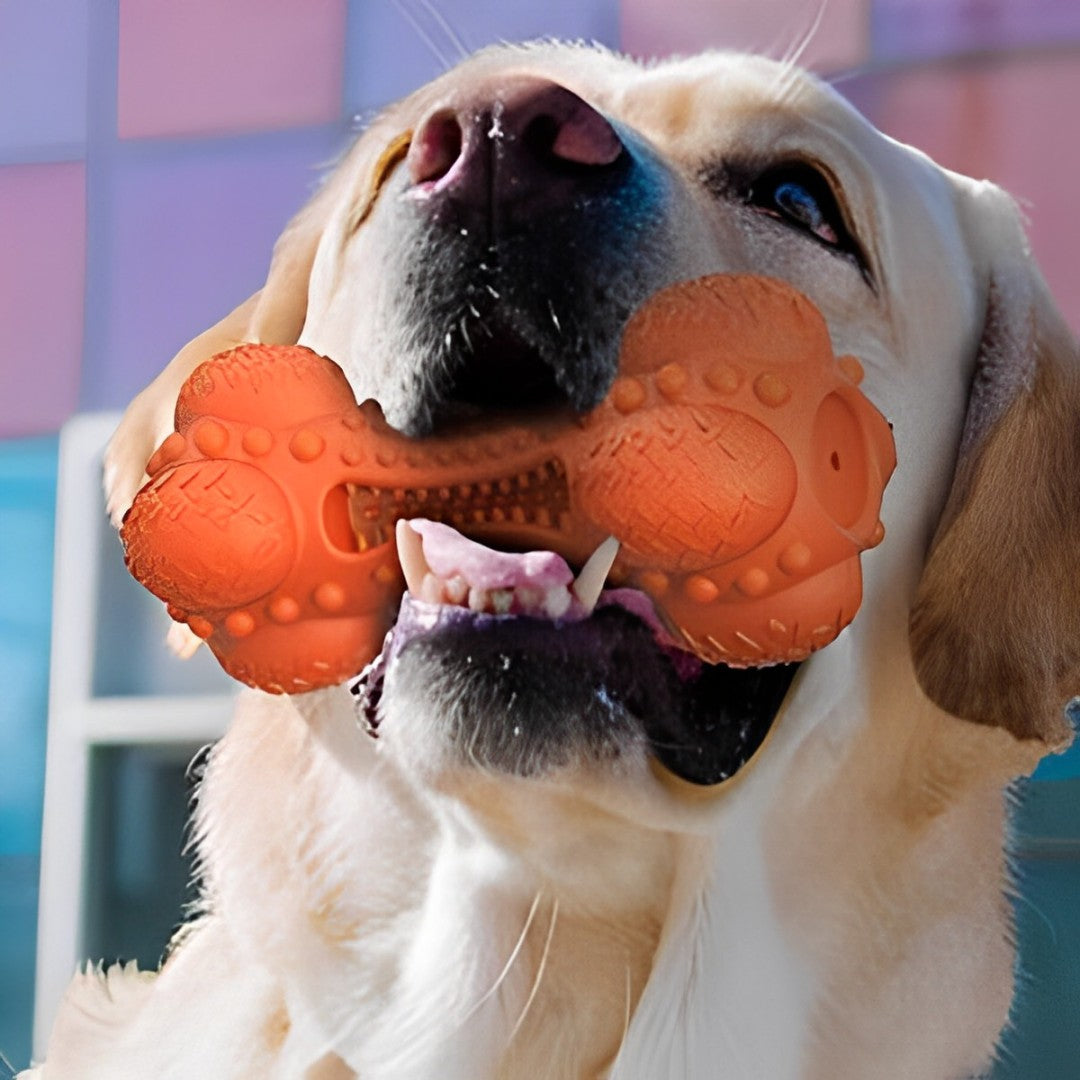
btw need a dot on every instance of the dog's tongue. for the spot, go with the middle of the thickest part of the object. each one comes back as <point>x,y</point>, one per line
<point>449,553</point>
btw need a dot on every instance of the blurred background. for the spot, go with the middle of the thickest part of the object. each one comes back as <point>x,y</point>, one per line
<point>150,152</point>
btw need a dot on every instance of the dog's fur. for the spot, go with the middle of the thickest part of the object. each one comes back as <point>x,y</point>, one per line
<point>837,910</point>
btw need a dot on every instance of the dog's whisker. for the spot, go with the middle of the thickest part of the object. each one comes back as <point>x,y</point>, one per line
<point>463,327</point>
<point>629,1003</point>
<point>455,39</point>
<point>446,61</point>
<point>790,60</point>
<point>514,954</point>
<point>541,967</point>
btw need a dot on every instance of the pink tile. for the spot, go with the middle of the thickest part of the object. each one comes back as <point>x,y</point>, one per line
<point>773,27</point>
<point>1009,120</point>
<point>205,67</point>
<point>42,259</point>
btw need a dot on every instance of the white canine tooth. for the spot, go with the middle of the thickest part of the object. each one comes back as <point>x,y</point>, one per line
<point>410,549</point>
<point>590,582</point>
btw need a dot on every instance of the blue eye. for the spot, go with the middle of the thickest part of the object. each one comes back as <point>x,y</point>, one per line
<point>799,195</point>
<point>797,202</point>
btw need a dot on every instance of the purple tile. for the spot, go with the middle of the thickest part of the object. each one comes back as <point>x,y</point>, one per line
<point>394,48</point>
<point>204,67</point>
<point>773,27</point>
<point>906,29</point>
<point>1001,119</point>
<point>43,69</point>
<point>184,236</point>
<point>42,258</point>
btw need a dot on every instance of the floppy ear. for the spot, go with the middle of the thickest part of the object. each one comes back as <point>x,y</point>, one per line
<point>995,629</point>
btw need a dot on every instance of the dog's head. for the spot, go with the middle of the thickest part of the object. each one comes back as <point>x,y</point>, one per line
<point>480,251</point>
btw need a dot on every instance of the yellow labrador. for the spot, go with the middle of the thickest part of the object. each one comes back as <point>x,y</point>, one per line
<point>437,903</point>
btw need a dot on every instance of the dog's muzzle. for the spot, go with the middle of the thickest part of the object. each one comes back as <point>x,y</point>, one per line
<point>734,458</point>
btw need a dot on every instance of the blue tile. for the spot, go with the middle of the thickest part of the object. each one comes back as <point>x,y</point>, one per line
<point>394,48</point>
<point>27,498</point>
<point>43,73</point>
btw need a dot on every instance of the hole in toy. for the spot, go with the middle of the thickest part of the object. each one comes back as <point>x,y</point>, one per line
<point>336,523</point>
<point>839,468</point>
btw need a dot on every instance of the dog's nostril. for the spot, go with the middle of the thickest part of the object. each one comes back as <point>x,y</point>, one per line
<point>435,148</point>
<point>575,133</point>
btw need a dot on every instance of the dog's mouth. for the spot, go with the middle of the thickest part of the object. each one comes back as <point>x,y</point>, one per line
<point>533,666</point>
<point>733,458</point>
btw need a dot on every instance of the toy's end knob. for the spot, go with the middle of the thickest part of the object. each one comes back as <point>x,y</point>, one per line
<point>226,540</point>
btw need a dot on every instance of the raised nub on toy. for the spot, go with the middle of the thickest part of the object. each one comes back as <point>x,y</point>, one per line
<point>734,458</point>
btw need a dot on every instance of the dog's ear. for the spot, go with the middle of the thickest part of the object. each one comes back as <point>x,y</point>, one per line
<point>995,628</point>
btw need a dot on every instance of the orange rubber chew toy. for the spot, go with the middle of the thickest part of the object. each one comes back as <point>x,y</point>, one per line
<point>735,459</point>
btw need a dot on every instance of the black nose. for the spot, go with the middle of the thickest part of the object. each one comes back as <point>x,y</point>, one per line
<point>510,152</point>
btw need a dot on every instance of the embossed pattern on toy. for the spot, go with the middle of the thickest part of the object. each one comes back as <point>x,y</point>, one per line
<point>734,458</point>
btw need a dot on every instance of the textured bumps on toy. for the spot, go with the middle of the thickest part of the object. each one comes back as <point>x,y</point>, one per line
<point>734,457</point>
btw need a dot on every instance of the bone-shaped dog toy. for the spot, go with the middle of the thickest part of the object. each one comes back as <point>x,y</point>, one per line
<point>734,458</point>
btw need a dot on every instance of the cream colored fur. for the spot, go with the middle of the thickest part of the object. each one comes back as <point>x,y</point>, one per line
<point>838,911</point>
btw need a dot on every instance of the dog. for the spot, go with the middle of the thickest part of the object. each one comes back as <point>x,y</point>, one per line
<point>446,902</point>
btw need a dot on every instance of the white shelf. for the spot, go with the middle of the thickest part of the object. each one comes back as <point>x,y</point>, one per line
<point>113,683</point>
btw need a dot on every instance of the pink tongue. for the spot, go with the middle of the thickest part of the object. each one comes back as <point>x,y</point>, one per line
<point>449,553</point>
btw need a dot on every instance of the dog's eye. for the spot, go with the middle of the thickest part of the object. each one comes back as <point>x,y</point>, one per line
<point>799,195</point>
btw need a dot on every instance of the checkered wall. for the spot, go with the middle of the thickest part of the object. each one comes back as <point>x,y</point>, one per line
<point>150,151</point>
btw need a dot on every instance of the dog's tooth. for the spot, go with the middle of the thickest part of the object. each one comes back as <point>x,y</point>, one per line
<point>590,582</point>
<point>410,550</point>
<point>431,590</point>
<point>457,589</point>
<point>530,600</point>
<point>479,599</point>
<point>556,602</point>
<point>501,601</point>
